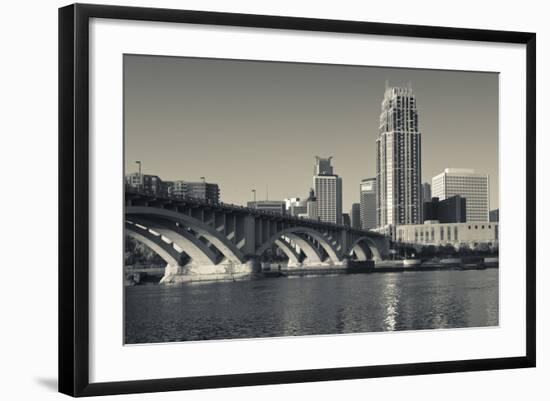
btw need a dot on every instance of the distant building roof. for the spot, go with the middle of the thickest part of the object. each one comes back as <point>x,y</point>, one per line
<point>460,170</point>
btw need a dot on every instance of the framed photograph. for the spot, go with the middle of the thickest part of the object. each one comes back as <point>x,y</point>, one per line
<point>251,199</point>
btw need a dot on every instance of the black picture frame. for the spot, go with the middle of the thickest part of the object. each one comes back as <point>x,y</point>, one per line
<point>74,198</point>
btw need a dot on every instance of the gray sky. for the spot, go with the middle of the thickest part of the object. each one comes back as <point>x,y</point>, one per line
<point>248,124</point>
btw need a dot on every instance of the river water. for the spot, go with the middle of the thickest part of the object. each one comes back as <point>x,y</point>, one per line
<point>312,305</point>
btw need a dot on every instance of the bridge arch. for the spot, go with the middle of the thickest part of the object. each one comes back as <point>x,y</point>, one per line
<point>155,243</point>
<point>223,244</point>
<point>188,243</point>
<point>358,246</point>
<point>311,252</point>
<point>290,252</point>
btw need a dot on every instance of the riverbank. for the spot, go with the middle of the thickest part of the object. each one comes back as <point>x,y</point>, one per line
<point>140,276</point>
<point>385,267</point>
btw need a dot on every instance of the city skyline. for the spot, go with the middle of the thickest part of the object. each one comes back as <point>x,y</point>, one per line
<point>278,138</point>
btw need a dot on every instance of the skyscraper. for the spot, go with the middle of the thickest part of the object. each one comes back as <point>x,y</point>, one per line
<point>328,190</point>
<point>398,169</point>
<point>367,191</point>
<point>468,184</point>
<point>426,196</point>
<point>346,220</point>
<point>312,206</point>
<point>355,215</point>
<point>426,192</point>
<point>322,166</point>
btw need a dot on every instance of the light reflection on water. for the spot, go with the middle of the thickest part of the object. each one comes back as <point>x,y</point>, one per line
<point>312,305</point>
<point>391,300</point>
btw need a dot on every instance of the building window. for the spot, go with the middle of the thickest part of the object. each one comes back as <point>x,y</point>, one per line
<point>475,227</point>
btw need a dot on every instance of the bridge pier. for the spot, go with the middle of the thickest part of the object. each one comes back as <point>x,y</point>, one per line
<point>224,271</point>
<point>325,264</point>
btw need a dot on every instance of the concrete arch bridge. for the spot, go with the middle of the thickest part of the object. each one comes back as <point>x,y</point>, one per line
<point>201,240</point>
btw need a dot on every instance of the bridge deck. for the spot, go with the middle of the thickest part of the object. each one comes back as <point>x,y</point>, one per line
<point>133,197</point>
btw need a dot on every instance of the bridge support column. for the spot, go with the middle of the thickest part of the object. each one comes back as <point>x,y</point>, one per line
<point>172,272</point>
<point>383,247</point>
<point>345,240</point>
<point>225,271</point>
<point>249,235</point>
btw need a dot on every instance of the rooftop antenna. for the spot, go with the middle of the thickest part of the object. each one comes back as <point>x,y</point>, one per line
<point>266,192</point>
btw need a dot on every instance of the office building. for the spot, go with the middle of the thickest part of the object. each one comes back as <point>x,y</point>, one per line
<point>468,184</point>
<point>167,188</point>
<point>328,191</point>
<point>150,184</point>
<point>197,190</point>
<point>134,180</point>
<point>355,216</point>
<point>311,212</point>
<point>179,189</point>
<point>269,206</point>
<point>367,193</point>
<point>398,169</point>
<point>346,220</point>
<point>203,190</point>
<point>450,210</point>
<point>435,233</point>
<point>322,166</point>
<point>295,206</point>
<point>426,192</point>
